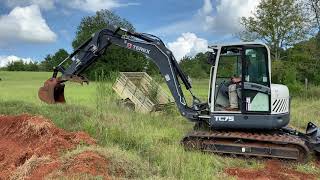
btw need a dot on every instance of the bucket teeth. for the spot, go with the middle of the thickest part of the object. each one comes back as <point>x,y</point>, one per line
<point>52,92</point>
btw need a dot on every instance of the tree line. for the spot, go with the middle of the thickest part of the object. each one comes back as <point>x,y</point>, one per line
<point>47,64</point>
<point>289,27</point>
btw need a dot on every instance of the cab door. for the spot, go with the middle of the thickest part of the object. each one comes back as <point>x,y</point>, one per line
<point>256,92</point>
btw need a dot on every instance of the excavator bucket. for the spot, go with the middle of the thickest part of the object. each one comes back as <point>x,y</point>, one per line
<point>52,92</point>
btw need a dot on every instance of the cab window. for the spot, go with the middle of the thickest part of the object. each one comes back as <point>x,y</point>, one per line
<point>229,65</point>
<point>256,66</point>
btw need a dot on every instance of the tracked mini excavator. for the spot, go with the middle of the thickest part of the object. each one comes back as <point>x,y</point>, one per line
<point>257,128</point>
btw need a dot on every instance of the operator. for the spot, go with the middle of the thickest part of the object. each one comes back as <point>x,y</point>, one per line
<point>233,95</point>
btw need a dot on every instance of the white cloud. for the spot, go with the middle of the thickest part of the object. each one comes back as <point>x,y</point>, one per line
<point>188,44</point>
<point>226,20</point>
<point>84,5</point>
<point>43,4</point>
<point>207,7</point>
<point>25,24</point>
<point>221,18</point>
<point>95,5</point>
<point>4,60</point>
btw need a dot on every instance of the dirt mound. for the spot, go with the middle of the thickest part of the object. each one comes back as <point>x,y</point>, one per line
<point>87,162</point>
<point>273,170</point>
<point>84,162</point>
<point>30,147</point>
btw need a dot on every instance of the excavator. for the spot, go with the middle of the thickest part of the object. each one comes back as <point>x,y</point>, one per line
<point>258,127</point>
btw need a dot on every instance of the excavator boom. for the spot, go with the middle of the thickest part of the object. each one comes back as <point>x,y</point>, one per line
<point>97,45</point>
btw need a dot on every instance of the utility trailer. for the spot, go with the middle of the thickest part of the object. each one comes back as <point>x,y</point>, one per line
<point>141,92</point>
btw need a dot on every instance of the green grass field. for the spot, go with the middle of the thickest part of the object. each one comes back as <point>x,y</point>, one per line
<point>149,144</point>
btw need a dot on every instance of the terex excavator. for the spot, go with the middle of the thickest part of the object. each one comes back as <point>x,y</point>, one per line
<point>257,128</point>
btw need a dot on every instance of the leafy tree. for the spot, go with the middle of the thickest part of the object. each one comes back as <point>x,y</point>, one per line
<point>196,67</point>
<point>279,23</point>
<point>16,66</point>
<point>31,66</point>
<point>103,19</point>
<point>116,58</point>
<point>51,61</point>
<point>313,6</point>
<point>305,56</point>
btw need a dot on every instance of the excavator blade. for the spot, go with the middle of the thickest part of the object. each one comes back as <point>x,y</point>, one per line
<point>313,134</point>
<point>52,92</point>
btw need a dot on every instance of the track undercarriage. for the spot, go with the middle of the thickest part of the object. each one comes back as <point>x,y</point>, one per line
<point>281,144</point>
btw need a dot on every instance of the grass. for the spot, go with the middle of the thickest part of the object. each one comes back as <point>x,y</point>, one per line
<point>32,163</point>
<point>128,164</point>
<point>149,141</point>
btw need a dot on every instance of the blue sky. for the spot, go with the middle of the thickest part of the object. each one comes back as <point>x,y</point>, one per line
<point>31,29</point>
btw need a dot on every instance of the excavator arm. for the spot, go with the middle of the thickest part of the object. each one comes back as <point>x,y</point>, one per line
<point>149,45</point>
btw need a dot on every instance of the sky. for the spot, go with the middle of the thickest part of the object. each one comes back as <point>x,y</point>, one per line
<point>32,29</point>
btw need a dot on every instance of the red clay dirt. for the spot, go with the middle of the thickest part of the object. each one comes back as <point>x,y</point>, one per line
<point>273,170</point>
<point>30,148</point>
<point>87,162</point>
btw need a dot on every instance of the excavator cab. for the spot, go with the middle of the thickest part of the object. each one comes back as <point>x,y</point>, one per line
<point>252,91</point>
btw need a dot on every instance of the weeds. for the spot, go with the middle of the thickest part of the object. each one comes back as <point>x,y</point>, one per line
<point>153,91</point>
<point>147,145</point>
<point>26,168</point>
<point>128,164</point>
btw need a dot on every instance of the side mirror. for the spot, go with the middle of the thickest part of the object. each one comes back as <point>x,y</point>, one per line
<point>212,58</point>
